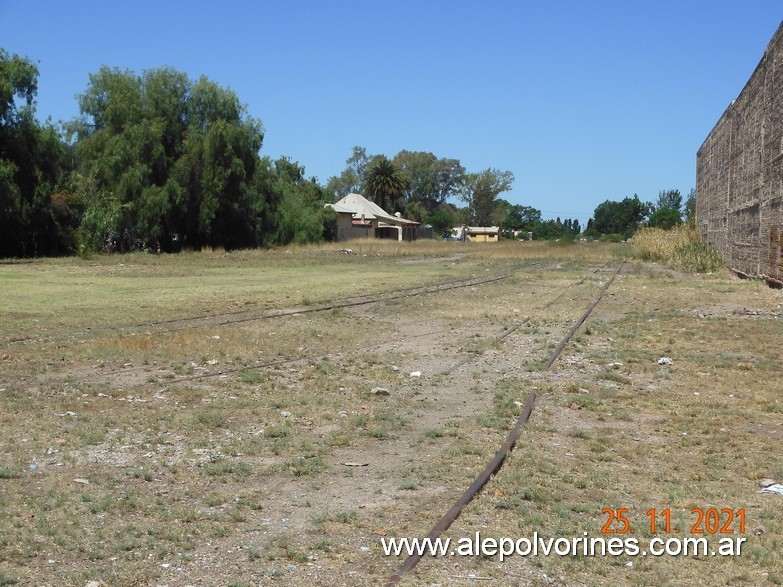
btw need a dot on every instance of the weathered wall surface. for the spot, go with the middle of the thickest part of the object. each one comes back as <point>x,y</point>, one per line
<point>739,174</point>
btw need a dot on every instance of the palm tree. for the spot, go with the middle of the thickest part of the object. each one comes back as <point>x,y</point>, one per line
<point>385,184</point>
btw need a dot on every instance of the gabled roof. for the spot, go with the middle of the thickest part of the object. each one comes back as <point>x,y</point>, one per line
<point>360,206</point>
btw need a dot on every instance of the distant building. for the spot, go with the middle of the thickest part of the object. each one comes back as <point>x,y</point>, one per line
<point>476,234</point>
<point>739,174</point>
<point>357,217</point>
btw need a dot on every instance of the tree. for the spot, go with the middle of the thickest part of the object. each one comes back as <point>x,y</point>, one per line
<point>666,211</point>
<point>665,218</point>
<point>547,230</point>
<point>32,221</point>
<point>690,207</point>
<point>622,218</point>
<point>171,162</point>
<point>479,191</point>
<point>301,213</point>
<point>415,210</point>
<point>515,217</point>
<point>351,180</point>
<point>430,181</point>
<point>446,217</point>
<point>670,199</point>
<point>385,185</point>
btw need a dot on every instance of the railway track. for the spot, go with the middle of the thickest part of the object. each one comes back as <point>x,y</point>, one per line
<point>220,320</point>
<point>493,467</point>
<point>503,290</point>
<point>250,315</point>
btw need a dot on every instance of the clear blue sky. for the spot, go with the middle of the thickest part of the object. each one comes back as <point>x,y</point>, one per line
<point>582,101</point>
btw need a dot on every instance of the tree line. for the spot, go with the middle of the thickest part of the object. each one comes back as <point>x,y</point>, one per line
<point>161,162</point>
<point>618,220</point>
<point>154,162</point>
<point>424,188</point>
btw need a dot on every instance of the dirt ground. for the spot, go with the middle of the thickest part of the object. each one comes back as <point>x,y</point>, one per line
<point>244,449</point>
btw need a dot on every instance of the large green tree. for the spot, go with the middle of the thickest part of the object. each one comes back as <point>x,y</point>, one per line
<point>671,199</point>
<point>172,162</point>
<point>430,180</point>
<point>666,213</point>
<point>32,222</point>
<point>351,180</point>
<point>446,217</point>
<point>480,190</point>
<point>385,185</point>
<point>301,213</point>
<point>624,217</point>
<point>516,217</point>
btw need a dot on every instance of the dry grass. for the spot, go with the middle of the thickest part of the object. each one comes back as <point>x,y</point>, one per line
<point>680,247</point>
<point>220,451</point>
<point>505,249</point>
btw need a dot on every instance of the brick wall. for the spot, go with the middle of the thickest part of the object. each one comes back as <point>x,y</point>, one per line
<point>739,174</point>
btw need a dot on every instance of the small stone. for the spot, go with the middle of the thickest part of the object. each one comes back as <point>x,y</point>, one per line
<point>766,482</point>
<point>380,391</point>
<point>82,481</point>
<point>759,530</point>
<point>415,373</point>
<point>665,361</point>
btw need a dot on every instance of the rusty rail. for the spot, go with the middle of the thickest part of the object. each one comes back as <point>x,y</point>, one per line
<point>471,492</point>
<point>494,465</point>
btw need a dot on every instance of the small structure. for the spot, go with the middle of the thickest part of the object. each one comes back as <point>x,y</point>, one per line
<point>476,234</point>
<point>357,217</point>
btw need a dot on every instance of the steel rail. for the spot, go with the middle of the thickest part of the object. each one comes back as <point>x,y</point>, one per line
<point>496,463</point>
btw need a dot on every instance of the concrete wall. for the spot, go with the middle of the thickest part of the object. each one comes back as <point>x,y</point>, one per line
<point>739,174</point>
<point>346,230</point>
<point>482,238</point>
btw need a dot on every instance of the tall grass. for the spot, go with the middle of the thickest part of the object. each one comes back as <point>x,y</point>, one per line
<point>680,247</point>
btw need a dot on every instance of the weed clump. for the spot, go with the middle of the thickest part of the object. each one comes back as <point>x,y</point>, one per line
<point>680,247</point>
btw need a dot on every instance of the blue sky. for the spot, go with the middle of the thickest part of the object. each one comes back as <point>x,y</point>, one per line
<point>582,101</point>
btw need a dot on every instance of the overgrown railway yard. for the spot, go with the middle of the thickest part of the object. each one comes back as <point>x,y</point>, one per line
<point>268,417</point>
